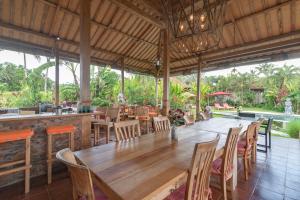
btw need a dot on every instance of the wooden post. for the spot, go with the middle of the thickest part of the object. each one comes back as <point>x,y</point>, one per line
<point>56,74</point>
<point>156,91</point>
<point>122,76</point>
<point>85,50</point>
<point>198,89</point>
<point>166,75</point>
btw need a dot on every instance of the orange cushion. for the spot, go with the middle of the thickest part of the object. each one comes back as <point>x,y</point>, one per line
<point>15,135</point>
<point>60,129</point>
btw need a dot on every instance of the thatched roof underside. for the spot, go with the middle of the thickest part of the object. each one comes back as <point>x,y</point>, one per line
<point>255,31</point>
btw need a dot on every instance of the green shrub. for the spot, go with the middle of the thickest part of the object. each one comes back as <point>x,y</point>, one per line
<point>293,128</point>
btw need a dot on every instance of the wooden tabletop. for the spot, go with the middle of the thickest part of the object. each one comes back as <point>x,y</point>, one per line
<point>147,167</point>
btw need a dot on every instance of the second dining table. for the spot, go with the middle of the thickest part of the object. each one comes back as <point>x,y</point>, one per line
<point>153,165</point>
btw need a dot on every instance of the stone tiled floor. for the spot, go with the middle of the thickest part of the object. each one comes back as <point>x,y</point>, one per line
<point>275,176</point>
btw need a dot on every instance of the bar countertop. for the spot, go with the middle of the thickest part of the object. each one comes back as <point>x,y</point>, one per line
<point>17,117</point>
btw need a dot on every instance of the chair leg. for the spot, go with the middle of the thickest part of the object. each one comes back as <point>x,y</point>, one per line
<point>223,187</point>
<point>72,141</point>
<point>270,139</point>
<point>249,165</point>
<point>266,142</point>
<point>254,151</point>
<point>49,159</point>
<point>245,168</point>
<point>27,164</point>
<point>231,187</point>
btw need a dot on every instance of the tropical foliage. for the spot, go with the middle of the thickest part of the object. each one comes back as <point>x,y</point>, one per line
<point>20,86</point>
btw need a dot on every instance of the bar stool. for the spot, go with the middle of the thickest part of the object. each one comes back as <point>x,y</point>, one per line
<point>58,130</point>
<point>12,136</point>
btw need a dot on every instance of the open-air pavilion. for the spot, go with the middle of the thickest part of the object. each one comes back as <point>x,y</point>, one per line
<point>159,38</point>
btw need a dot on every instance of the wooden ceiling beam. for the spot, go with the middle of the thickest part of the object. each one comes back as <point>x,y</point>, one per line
<point>247,60</point>
<point>150,7</point>
<point>17,45</point>
<point>255,20</point>
<point>282,40</point>
<point>126,5</point>
<point>267,19</point>
<point>53,38</point>
<point>293,15</point>
<point>234,22</point>
<point>66,10</point>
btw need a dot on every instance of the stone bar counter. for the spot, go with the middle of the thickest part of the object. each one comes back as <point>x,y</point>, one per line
<point>11,151</point>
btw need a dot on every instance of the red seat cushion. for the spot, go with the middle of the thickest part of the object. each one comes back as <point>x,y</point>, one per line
<point>179,194</point>
<point>216,169</point>
<point>15,135</point>
<point>99,195</point>
<point>241,146</point>
<point>60,129</point>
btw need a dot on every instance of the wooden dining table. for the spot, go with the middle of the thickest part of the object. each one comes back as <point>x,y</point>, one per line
<point>151,166</point>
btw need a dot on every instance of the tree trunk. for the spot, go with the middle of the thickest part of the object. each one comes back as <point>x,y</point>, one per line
<point>25,64</point>
<point>46,77</point>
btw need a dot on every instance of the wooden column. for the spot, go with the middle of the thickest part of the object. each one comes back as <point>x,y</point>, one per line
<point>85,50</point>
<point>198,97</point>
<point>56,74</point>
<point>156,91</point>
<point>122,76</point>
<point>166,74</point>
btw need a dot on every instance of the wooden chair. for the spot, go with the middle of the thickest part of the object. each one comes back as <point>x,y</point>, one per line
<point>254,150</point>
<point>223,167</point>
<point>142,114</point>
<point>127,130</point>
<point>197,186</point>
<point>161,124</point>
<point>80,177</point>
<point>19,165</point>
<point>102,110</point>
<point>189,120</point>
<point>245,148</point>
<point>267,134</point>
<point>114,114</point>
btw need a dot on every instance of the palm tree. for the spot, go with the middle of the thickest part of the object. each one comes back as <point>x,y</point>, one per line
<point>284,75</point>
<point>72,67</point>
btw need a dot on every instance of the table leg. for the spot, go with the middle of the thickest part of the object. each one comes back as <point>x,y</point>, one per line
<point>107,134</point>
<point>147,127</point>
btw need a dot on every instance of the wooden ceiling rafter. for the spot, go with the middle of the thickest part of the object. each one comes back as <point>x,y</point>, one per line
<point>267,19</point>
<point>63,9</point>
<point>255,20</point>
<point>293,15</point>
<point>234,23</point>
<point>149,7</point>
<point>53,38</point>
<point>138,12</point>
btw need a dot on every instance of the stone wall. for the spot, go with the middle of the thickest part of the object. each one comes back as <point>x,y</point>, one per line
<point>15,150</point>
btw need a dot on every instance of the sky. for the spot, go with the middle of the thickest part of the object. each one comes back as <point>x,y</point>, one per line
<point>66,76</point>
